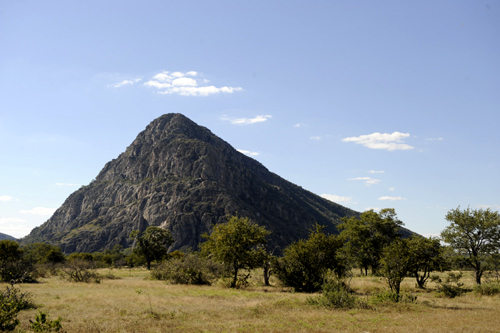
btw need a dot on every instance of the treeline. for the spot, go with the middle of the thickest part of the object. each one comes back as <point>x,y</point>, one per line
<point>371,243</point>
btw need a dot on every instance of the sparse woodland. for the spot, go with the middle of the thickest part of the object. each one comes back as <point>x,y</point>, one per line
<point>367,278</point>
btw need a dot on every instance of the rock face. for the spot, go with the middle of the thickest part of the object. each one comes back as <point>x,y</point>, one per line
<point>180,176</point>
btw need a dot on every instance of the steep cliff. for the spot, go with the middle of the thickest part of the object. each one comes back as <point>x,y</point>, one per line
<point>180,176</point>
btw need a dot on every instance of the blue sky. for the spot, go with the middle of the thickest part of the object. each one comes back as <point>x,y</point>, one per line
<point>370,104</point>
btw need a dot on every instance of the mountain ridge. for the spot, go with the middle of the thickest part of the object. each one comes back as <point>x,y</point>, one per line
<point>180,176</point>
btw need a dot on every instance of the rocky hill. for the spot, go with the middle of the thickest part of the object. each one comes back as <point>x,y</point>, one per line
<point>180,176</point>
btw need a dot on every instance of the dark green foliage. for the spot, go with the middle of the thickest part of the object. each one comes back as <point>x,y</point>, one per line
<point>395,262</point>
<point>42,253</point>
<point>426,256</point>
<point>13,267</point>
<point>153,243</point>
<point>190,269</point>
<point>306,263</point>
<point>12,300</point>
<point>451,287</point>
<point>42,323</point>
<point>79,270</point>
<point>366,236</point>
<point>236,244</point>
<point>475,235</point>
<point>337,294</point>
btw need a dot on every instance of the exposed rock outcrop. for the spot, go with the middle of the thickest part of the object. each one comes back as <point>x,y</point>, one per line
<point>180,176</point>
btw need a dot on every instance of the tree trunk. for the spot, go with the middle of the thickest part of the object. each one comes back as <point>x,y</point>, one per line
<point>235,278</point>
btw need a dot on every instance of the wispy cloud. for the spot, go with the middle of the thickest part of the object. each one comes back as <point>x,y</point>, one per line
<point>247,152</point>
<point>374,171</point>
<point>434,139</point>
<point>6,198</point>
<point>338,198</point>
<point>247,121</point>
<point>185,84</point>
<point>391,198</point>
<point>39,211</point>
<point>125,83</point>
<point>367,180</point>
<point>385,141</point>
<point>297,125</point>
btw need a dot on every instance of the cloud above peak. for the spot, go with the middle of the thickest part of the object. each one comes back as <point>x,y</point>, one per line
<point>385,141</point>
<point>185,84</point>
<point>247,121</point>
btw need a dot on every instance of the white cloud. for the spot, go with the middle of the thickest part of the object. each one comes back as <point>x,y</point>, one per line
<point>14,227</point>
<point>382,141</point>
<point>6,198</point>
<point>297,125</point>
<point>66,184</point>
<point>247,152</point>
<point>39,211</point>
<point>434,139</point>
<point>368,180</point>
<point>315,138</point>
<point>185,84</point>
<point>391,188</point>
<point>337,198</point>
<point>247,121</point>
<point>125,83</point>
<point>374,171</point>
<point>391,198</point>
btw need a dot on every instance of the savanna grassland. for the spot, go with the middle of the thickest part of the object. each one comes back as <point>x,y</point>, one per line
<point>131,302</point>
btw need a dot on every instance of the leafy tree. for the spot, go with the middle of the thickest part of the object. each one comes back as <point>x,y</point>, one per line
<point>153,243</point>
<point>306,263</point>
<point>395,262</point>
<point>13,267</point>
<point>367,236</point>
<point>426,256</point>
<point>43,253</point>
<point>235,243</point>
<point>474,233</point>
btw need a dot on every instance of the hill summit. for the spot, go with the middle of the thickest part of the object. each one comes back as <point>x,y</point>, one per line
<point>180,176</point>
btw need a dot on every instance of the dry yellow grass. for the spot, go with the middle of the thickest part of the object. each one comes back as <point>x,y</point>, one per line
<point>116,306</point>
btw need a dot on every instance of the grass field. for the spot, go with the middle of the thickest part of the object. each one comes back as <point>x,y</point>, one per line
<point>133,303</point>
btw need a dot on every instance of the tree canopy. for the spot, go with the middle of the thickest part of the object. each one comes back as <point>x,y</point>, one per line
<point>235,243</point>
<point>475,234</point>
<point>153,243</point>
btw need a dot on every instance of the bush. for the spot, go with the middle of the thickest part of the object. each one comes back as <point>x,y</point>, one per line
<point>190,269</point>
<point>12,300</point>
<point>451,287</point>
<point>487,289</point>
<point>43,324</point>
<point>337,294</point>
<point>394,297</point>
<point>78,270</point>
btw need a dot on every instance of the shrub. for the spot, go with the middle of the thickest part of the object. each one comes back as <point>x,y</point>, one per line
<point>451,287</point>
<point>394,297</point>
<point>43,324</point>
<point>78,270</point>
<point>190,269</point>
<point>337,294</point>
<point>487,289</point>
<point>12,300</point>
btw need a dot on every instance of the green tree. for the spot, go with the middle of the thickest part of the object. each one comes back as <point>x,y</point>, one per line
<point>235,243</point>
<point>306,263</point>
<point>426,256</point>
<point>43,253</point>
<point>153,243</point>
<point>395,263</point>
<point>475,234</point>
<point>366,236</point>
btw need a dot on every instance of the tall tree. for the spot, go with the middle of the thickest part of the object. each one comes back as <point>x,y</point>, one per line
<point>153,243</point>
<point>475,234</point>
<point>236,243</point>
<point>395,261</point>
<point>366,236</point>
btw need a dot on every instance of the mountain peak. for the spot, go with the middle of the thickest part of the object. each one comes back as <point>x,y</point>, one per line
<point>180,176</point>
